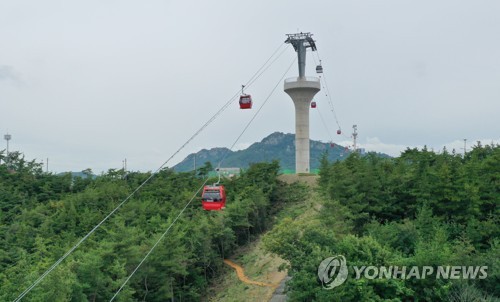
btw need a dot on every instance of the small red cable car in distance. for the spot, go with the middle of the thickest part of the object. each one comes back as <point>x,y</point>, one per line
<point>213,198</point>
<point>245,101</point>
<point>339,132</point>
<point>313,105</point>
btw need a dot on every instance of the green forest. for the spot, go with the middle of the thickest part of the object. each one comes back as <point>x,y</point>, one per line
<point>421,208</point>
<point>44,215</point>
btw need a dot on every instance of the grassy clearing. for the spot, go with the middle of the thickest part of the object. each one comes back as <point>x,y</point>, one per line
<point>308,179</point>
<point>258,264</point>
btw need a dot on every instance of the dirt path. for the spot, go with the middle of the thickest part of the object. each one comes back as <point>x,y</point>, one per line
<point>241,275</point>
<point>261,264</point>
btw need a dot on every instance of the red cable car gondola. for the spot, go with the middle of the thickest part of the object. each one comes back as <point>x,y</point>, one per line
<point>339,132</point>
<point>245,101</point>
<point>213,198</point>
<point>313,105</point>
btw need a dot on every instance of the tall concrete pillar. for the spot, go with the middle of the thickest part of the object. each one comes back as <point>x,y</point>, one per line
<point>302,90</point>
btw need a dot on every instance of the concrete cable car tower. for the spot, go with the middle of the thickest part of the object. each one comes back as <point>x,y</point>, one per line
<point>302,90</point>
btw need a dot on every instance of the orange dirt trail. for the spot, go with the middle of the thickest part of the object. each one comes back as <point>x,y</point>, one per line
<point>241,275</point>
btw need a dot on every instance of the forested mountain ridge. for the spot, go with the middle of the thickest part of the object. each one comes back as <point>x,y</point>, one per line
<point>277,146</point>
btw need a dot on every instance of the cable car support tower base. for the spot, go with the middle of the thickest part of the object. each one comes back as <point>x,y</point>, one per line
<point>302,89</point>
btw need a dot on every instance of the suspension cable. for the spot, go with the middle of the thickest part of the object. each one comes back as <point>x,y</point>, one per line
<point>324,124</point>
<point>199,189</point>
<point>264,69</point>
<point>256,113</point>
<point>257,75</point>
<point>159,240</point>
<point>327,92</point>
<point>252,80</point>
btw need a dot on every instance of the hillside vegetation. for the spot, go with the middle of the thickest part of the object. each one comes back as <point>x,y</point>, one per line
<point>420,209</point>
<point>44,215</point>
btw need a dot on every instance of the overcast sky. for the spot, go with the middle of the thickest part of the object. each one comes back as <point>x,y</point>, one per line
<point>90,83</point>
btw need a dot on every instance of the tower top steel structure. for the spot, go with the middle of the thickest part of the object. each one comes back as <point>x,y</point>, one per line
<point>300,42</point>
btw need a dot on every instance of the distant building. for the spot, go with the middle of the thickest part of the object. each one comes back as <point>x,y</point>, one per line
<point>229,172</point>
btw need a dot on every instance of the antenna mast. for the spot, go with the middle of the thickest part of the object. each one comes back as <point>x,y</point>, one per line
<point>7,137</point>
<point>354,136</point>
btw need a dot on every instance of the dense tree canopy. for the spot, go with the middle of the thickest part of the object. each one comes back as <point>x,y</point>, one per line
<point>419,209</point>
<point>43,215</point>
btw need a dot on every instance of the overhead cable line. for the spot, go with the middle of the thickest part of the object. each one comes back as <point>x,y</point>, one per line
<point>324,124</point>
<point>257,112</point>
<point>159,240</point>
<point>257,74</point>
<point>251,81</point>
<point>328,94</point>
<point>224,156</point>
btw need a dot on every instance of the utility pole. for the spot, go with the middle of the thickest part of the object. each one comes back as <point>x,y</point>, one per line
<point>7,137</point>
<point>354,136</point>
<point>47,169</point>
<point>465,146</point>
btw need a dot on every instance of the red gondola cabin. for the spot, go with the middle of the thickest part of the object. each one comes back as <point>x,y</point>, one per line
<point>245,101</point>
<point>213,198</point>
<point>339,132</point>
<point>313,105</point>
